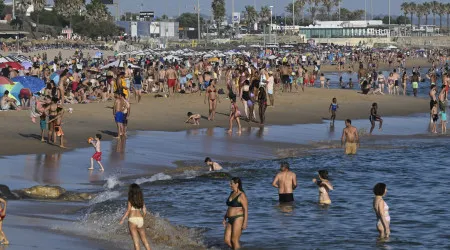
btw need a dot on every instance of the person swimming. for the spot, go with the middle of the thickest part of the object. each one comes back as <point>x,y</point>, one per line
<point>325,187</point>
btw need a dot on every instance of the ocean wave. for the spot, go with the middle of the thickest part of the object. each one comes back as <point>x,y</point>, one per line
<point>112,182</point>
<point>105,196</point>
<point>102,223</point>
<point>156,177</point>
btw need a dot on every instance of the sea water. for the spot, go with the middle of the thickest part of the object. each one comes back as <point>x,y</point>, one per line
<point>411,162</point>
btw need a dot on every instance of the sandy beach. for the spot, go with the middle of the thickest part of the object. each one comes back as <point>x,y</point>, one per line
<point>168,114</point>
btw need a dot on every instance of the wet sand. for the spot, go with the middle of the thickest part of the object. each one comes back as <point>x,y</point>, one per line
<point>21,136</point>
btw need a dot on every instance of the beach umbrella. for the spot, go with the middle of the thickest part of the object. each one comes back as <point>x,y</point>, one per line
<point>27,65</point>
<point>5,80</point>
<point>55,77</point>
<point>14,89</point>
<point>33,83</point>
<point>214,59</point>
<point>14,65</point>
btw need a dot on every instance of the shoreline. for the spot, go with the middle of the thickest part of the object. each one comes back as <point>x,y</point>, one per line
<point>23,137</point>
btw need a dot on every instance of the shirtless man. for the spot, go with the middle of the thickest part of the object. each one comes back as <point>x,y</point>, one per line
<point>286,182</point>
<point>171,76</point>
<point>350,138</point>
<point>285,73</point>
<point>161,78</point>
<point>213,166</point>
<point>35,72</point>
<point>118,114</point>
<point>183,79</point>
<point>396,78</point>
<point>7,102</point>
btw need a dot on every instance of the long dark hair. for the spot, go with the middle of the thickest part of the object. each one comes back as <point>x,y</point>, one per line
<point>135,196</point>
<point>237,180</point>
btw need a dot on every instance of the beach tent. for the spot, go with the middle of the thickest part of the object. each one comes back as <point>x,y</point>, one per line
<point>119,64</point>
<point>33,83</point>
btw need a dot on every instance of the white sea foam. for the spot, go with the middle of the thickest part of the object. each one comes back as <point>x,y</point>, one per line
<point>156,177</point>
<point>112,182</point>
<point>104,196</point>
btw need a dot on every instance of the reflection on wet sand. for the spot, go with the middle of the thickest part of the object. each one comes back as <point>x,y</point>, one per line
<point>117,155</point>
<point>44,168</point>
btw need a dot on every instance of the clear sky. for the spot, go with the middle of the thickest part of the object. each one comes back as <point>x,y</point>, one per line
<point>173,7</point>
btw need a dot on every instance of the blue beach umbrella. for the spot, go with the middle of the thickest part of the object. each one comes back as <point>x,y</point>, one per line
<point>33,83</point>
<point>55,77</point>
<point>14,89</point>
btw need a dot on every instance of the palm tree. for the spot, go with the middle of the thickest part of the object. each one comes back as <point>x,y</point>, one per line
<point>328,4</point>
<point>218,7</point>
<point>405,7</point>
<point>38,7</point>
<point>412,10</point>
<point>426,9</point>
<point>97,11</point>
<point>337,3</point>
<point>447,11</point>
<point>420,11</point>
<point>299,6</point>
<point>68,8</point>
<point>441,12</point>
<point>313,9</point>
<point>264,15</point>
<point>252,15</point>
<point>434,10</point>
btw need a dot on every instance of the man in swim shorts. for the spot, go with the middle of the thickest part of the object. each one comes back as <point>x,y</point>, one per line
<point>286,182</point>
<point>119,116</point>
<point>350,138</point>
<point>172,77</point>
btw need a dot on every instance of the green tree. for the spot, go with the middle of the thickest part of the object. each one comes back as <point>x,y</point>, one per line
<point>189,20</point>
<point>426,9</point>
<point>69,8</point>
<point>218,7</point>
<point>251,16</point>
<point>2,7</point>
<point>406,8</point>
<point>441,12</point>
<point>97,11</point>
<point>447,11</point>
<point>38,7</point>
<point>265,14</point>
<point>402,20</point>
<point>328,4</point>
<point>434,10</point>
<point>299,7</point>
<point>420,11</point>
<point>313,8</point>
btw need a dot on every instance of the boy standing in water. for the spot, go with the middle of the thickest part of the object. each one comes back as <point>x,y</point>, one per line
<point>333,108</point>
<point>98,153</point>
<point>434,117</point>
<point>324,187</point>
<point>213,166</point>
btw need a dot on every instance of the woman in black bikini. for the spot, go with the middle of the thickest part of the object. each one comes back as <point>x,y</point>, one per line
<point>262,101</point>
<point>236,217</point>
<point>213,97</point>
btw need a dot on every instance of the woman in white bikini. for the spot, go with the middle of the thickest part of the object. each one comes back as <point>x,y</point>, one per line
<point>135,213</point>
<point>3,239</point>
<point>381,210</point>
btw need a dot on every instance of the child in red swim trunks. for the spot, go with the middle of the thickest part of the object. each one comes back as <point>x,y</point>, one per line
<point>98,153</point>
<point>3,239</point>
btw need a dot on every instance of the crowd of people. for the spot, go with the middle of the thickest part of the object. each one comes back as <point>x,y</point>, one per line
<point>246,82</point>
